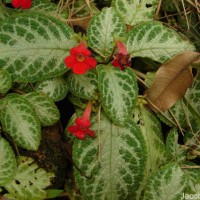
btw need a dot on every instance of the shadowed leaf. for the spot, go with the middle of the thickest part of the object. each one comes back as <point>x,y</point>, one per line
<point>171,81</point>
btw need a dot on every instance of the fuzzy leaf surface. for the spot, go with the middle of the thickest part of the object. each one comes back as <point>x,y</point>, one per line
<point>118,92</point>
<point>8,164</point>
<point>5,81</point>
<point>84,86</point>
<point>135,11</point>
<point>152,133</point>
<point>20,121</point>
<point>103,29</point>
<point>29,182</point>
<point>167,183</point>
<point>171,81</point>
<point>56,88</point>
<point>33,46</point>
<point>156,41</point>
<point>45,108</point>
<point>117,171</point>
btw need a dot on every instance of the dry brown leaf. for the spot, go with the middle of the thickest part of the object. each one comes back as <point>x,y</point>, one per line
<point>171,81</point>
<point>82,22</point>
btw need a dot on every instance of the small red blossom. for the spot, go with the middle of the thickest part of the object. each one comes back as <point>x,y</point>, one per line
<point>25,4</point>
<point>122,59</point>
<point>82,124</point>
<point>79,59</point>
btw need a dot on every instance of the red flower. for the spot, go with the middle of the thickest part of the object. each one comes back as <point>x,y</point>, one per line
<point>25,4</point>
<point>79,59</point>
<point>122,59</point>
<point>82,124</point>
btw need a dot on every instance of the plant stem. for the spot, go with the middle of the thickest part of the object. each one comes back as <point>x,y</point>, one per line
<point>190,167</point>
<point>18,91</point>
<point>140,74</point>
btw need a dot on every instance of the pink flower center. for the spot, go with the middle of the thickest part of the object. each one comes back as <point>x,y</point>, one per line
<point>80,57</point>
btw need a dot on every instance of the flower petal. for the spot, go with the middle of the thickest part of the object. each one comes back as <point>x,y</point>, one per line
<point>70,61</point>
<point>90,133</point>
<point>80,68</point>
<point>81,134</point>
<point>79,121</point>
<point>80,49</point>
<point>16,3</point>
<point>86,123</point>
<point>25,4</point>
<point>121,48</point>
<point>115,63</point>
<point>73,129</point>
<point>91,62</point>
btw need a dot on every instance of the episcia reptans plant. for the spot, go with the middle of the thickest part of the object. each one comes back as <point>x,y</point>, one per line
<point>118,146</point>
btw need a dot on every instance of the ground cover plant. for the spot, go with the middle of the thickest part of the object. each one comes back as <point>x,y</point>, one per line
<point>99,99</point>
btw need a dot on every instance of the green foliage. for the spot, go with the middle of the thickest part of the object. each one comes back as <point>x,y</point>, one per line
<point>20,121</point>
<point>193,176</point>
<point>8,164</point>
<point>84,86</point>
<point>151,130</point>
<point>135,11</point>
<point>118,92</point>
<point>131,156</point>
<point>167,183</point>
<point>106,171</point>
<point>156,41</point>
<point>103,29</point>
<point>29,182</point>
<point>33,47</point>
<point>45,108</point>
<point>5,81</point>
<point>44,6</point>
<point>174,151</point>
<point>55,88</point>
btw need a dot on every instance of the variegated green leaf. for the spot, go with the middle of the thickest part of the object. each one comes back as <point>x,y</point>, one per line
<point>83,86</point>
<point>191,139</point>
<point>152,133</point>
<point>19,120</point>
<point>5,81</point>
<point>81,103</point>
<point>174,151</point>
<point>8,164</point>
<point>103,29</point>
<point>156,41</point>
<point>114,170</point>
<point>192,96</point>
<point>3,12</point>
<point>118,92</point>
<point>33,46</point>
<point>43,6</point>
<point>29,182</point>
<point>167,183</point>
<point>56,88</point>
<point>45,108</point>
<point>135,11</point>
<point>193,182</point>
